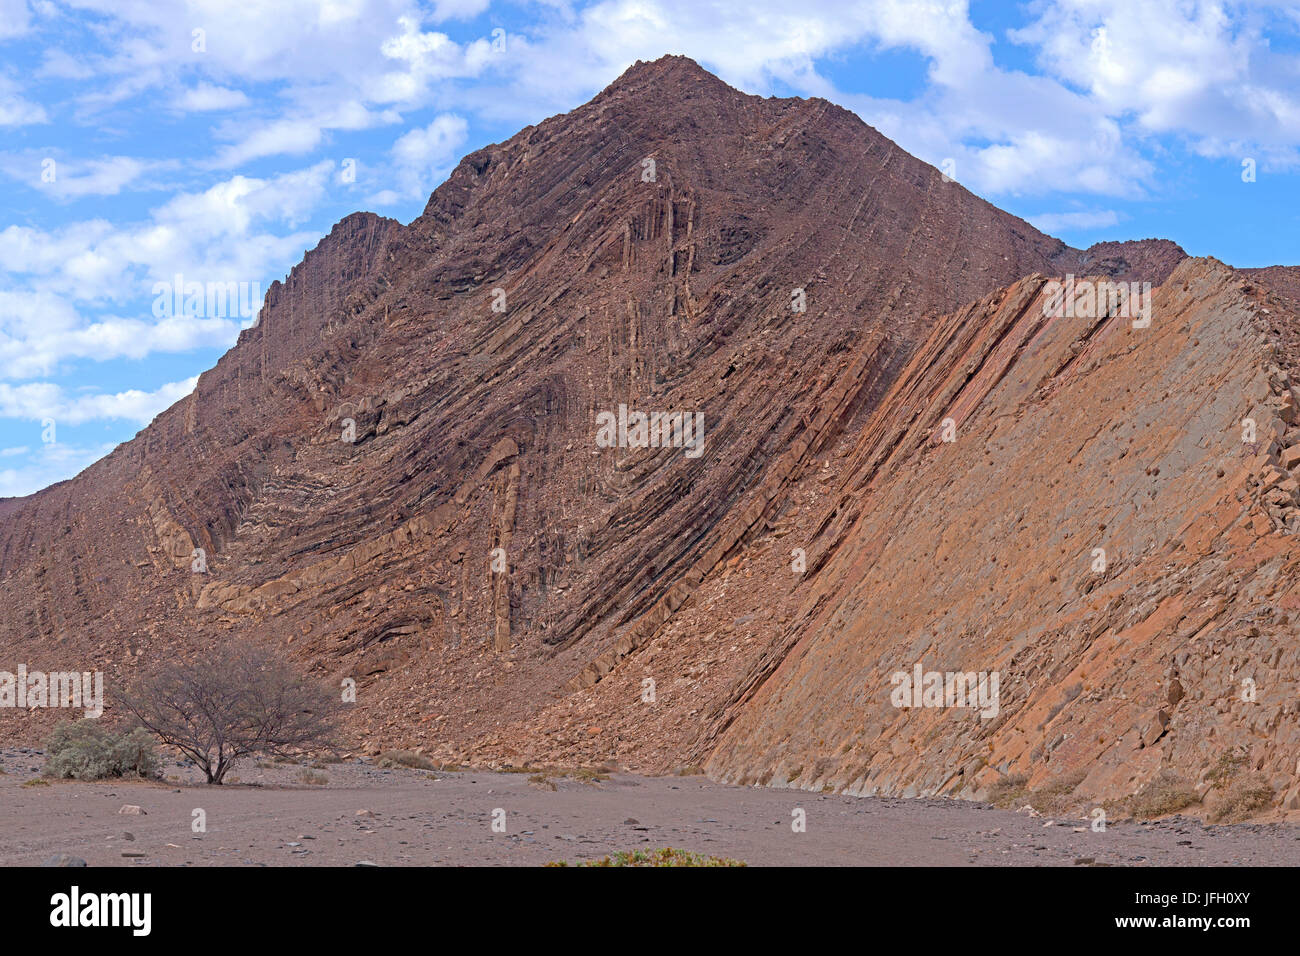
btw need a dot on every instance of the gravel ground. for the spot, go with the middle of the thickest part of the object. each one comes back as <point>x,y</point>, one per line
<point>398,817</point>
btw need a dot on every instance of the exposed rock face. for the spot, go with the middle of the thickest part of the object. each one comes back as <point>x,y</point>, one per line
<point>979,555</point>
<point>397,473</point>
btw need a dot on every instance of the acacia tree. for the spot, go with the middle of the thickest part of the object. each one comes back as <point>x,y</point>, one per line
<point>234,702</point>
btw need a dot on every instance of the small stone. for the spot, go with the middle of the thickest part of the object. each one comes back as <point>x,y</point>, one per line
<point>64,859</point>
<point>132,810</point>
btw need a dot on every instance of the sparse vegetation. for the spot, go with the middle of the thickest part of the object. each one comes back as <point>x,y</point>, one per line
<point>1055,797</point>
<point>668,856</point>
<point>1012,792</point>
<point>1165,793</point>
<point>1241,800</point>
<point>1009,789</point>
<point>36,782</point>
<point>589,775</point>
<point>405,758</point>
<point>545,776</point>
<point>313,778</point>
<point>541,780</point>
<point>89,750</point>
<point>1229,764</point>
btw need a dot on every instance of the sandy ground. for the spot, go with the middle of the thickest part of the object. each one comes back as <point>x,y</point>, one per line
<point>271,818</point>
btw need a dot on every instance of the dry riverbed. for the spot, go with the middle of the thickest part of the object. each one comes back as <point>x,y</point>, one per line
<point>362,813</point>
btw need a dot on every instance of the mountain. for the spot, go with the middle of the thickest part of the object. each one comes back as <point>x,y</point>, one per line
<point>400,474</point>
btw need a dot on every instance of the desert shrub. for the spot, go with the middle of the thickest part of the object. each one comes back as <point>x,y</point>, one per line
<point>1165,793</point>
<point>1229,764</point>
<point>313,778</point>
<point>405,758</point>
<point>541,780</point>
<point>1007,790</point>
<point>1055,797</point>
<point>1244,798</point>
<point>89,750</point>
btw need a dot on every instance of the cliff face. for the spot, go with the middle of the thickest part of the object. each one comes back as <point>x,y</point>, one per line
<point>398,474</point>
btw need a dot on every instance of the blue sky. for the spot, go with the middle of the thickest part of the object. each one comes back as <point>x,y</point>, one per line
<point>142,140</point>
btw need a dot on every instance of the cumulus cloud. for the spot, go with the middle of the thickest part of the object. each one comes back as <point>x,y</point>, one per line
<point>425,156</point>
<point>217,234</point>
<point>1204,69</point>
<point>55,285</point>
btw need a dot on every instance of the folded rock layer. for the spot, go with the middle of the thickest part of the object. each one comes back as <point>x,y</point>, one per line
<point>399,475</point>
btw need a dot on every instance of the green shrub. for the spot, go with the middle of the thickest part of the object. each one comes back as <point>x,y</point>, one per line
<point>89,750</point>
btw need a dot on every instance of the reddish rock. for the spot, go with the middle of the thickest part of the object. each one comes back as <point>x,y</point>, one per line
<point>921,468</point>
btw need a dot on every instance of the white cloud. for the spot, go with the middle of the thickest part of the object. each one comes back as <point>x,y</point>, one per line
<point>207,96</point>
<point>39,332</point>
<point>52,463</point>
<point>72,179</point>
<point>54,283</point>
<point>15,18</point>
<point>210,236</point>
<point>1177,66</point>
<point>296,134</point>
<point>425,156</point>
<point>37,401</point>
<point>1054,222</point>
<point>15,110</point>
